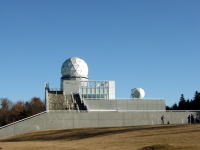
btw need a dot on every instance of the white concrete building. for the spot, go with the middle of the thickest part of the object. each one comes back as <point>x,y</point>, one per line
<point>77,92</point>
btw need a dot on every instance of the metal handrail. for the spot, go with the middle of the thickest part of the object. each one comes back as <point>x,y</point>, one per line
<point>54,89</point>
<point>182,110</point>
<point>91,110</point>
<point>84,103</point>
<point>22,119</point>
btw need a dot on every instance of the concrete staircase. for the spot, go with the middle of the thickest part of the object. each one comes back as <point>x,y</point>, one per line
<point>79,102</point>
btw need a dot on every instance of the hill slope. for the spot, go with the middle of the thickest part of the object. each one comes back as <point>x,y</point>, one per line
<point>168,137</point>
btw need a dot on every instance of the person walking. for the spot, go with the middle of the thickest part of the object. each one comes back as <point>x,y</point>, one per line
<point>192,118</point>
<point>162,119</point>
<point>197,118</point>
<point>189,119</point>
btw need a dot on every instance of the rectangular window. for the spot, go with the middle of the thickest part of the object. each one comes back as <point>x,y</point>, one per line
<point>93,90</point>
<point>85,96</point>
<point>101,95</point>
<point>101,90</point>
<point>84,91</point>
<point>97,90</point>
<point>106,90</point>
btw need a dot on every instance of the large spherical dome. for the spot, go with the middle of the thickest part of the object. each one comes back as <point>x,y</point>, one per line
<point>137,93</point>
<point>75,67</point>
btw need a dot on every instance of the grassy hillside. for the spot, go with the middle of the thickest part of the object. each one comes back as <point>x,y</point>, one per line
<point>168,137</point>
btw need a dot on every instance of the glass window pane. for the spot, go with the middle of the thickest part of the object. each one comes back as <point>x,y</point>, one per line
<point>101,90</point>
<point>93,90</point>
<point>105,90</point>
<point>97,91</point>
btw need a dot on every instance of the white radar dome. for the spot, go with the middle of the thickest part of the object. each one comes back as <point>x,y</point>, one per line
<point>137,93</point>
<point>74,67</point>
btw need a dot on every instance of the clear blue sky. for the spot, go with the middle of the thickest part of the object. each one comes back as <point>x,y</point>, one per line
<point>150,44</point>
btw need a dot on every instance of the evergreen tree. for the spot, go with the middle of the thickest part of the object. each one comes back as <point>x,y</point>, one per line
<point>182,103</point>
<point>196,101</point>
<point>167,108</point>
<point>174,107</point>
<point>188,105</point>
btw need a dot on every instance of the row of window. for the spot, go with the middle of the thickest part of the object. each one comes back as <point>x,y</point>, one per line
<point>95,96</point>
<point>96,90</point>
<point>92,84</point>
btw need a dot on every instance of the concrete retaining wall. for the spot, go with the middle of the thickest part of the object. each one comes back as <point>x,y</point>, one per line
<point>69,120</point>
<point>125,104</point>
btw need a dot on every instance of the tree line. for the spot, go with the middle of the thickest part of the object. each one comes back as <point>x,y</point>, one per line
<point>187,104</point>
<point>11,112</point>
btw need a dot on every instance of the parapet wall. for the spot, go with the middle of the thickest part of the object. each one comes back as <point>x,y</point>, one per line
<point>58,101</point>
<point>75,119</point>
<point>125,104</point>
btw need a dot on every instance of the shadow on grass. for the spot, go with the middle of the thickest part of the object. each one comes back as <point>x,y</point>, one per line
<point>159,147</point>
<point>172,132</point>
<point>77,134</point>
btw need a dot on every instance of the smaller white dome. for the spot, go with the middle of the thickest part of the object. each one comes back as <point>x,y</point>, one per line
<point>137,93</point>
<point>74,67</point>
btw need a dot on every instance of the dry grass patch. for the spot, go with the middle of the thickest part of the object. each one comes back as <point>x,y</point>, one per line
<point>168,137</point>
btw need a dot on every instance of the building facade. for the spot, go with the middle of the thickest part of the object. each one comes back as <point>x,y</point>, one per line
<point>77,92</point>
